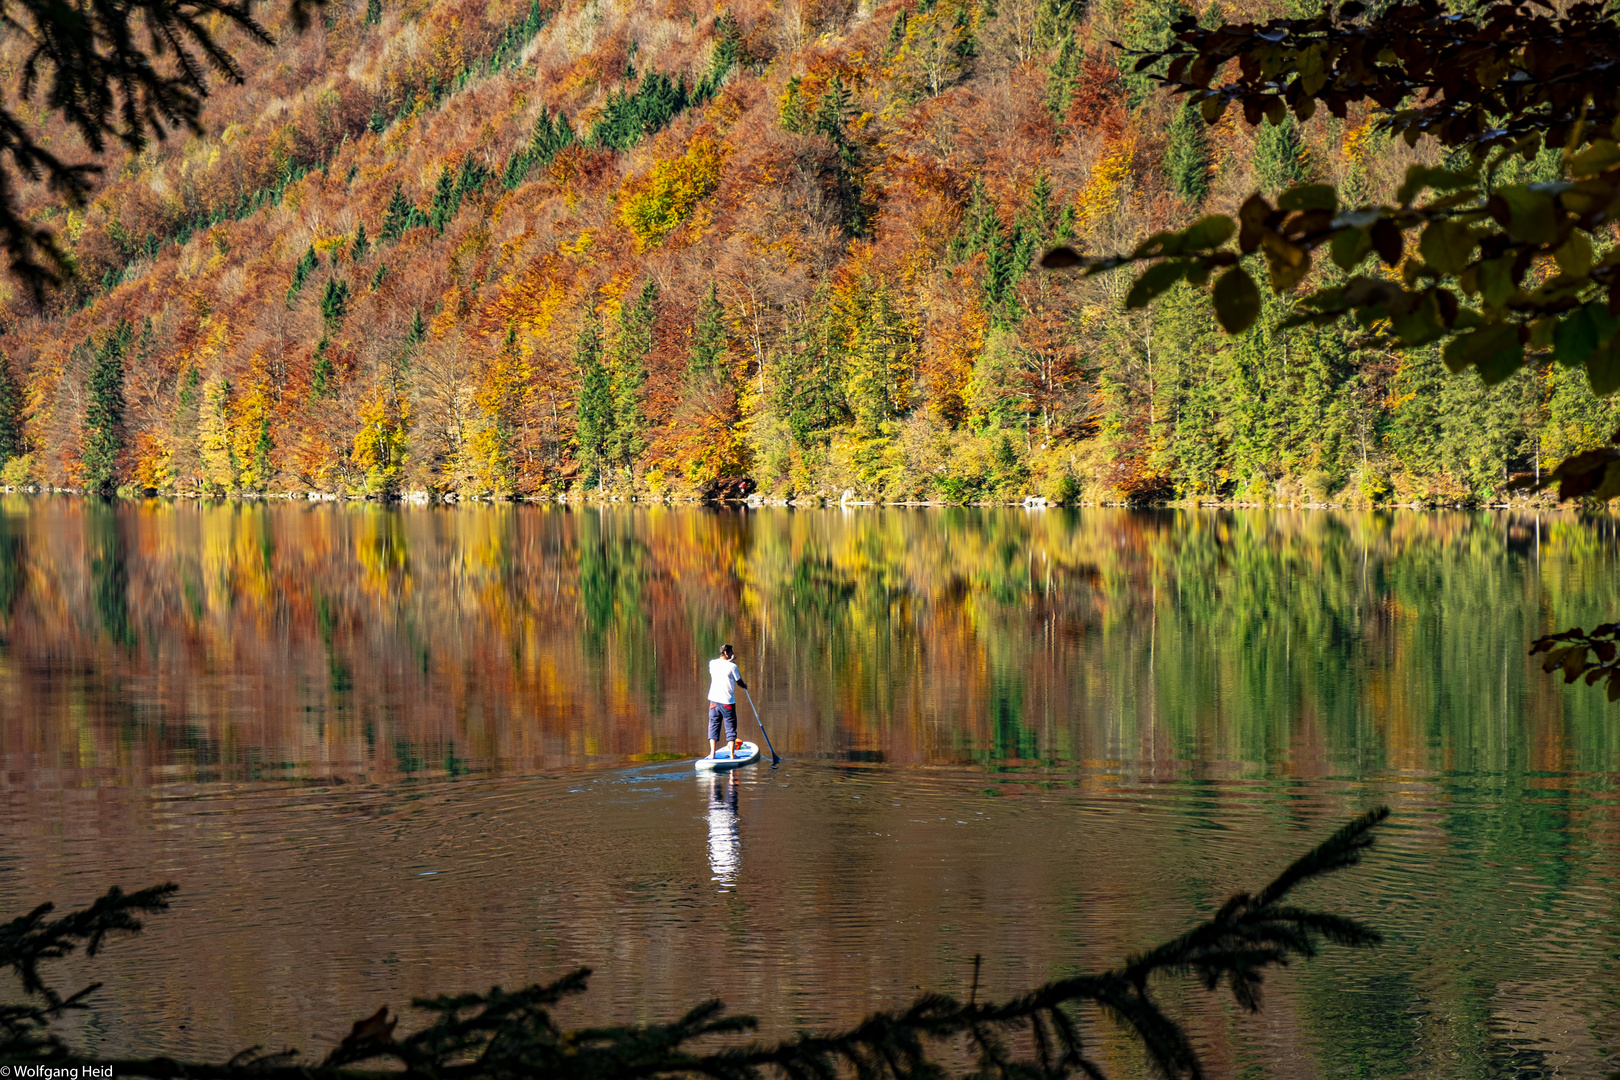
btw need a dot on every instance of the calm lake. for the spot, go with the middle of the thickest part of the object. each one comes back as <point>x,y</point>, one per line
<point>388,752</point>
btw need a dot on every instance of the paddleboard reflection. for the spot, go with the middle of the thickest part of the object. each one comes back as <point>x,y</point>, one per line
<point>725,842</point>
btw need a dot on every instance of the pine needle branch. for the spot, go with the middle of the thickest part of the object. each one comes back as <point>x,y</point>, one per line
<point>511,1035</point>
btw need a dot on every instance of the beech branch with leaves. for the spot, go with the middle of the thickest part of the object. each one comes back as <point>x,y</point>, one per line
<point>503,1034</point>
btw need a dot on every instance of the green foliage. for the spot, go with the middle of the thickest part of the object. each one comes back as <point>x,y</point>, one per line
<point>446,200</point>
<point>1062,77</point>
<point>809,389</point>
<point>1186,156</point>
<point>335,301</point>
<point>323,375</point>
<point>400,217</point>
<point>307,263</point>
<point>104,416</point>
<point>729,51</point>
<point>627,118</point>
<point>551,134</point>
<point>12,443</point>
<point>627,437</point>
<point>360,246</point>
<point>1279,156</point>
<point>373,12</point>
<point>594,422</point>
<point>508,1034</point>
<point>708,352</point>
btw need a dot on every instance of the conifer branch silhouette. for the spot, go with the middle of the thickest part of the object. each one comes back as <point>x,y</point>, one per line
<point>505,1035</point>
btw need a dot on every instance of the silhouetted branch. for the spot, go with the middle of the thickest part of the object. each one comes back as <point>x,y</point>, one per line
<point>502,1034</point>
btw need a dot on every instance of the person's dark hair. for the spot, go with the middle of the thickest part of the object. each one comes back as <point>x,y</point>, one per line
<point>725,651</point>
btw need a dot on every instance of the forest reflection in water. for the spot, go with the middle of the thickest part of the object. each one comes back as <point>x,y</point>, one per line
<point>391,751</point>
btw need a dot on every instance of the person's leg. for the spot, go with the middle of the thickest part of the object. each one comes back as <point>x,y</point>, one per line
<point>731,728</point>
<point>715,713</point>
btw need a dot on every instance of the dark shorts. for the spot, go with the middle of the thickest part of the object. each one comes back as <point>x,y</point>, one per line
<point>717,713</point>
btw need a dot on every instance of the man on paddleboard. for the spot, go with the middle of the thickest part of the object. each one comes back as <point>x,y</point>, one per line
<point>724,678</point>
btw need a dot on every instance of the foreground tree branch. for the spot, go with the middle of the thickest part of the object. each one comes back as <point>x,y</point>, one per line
<point>504,1034</point>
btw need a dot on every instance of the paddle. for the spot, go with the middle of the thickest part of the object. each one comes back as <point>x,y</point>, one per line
<point>774,759</point>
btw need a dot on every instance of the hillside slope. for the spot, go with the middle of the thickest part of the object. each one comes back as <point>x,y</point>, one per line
<point>519,249</point>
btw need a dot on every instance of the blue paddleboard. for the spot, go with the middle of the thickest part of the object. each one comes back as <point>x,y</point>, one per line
<point>723,759</point>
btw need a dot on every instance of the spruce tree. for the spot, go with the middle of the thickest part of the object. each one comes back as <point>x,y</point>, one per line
<point>1186,156</point>
<point>594,422</point>
<point>708,353</point>
<point>635,341</point>
<point>446,201</point>
<point>373,12</point>
<point>1061,78</point>
<point>1279,156</point>
<point>361,245</point>
<point>104,418</point>
<point>12,443</point>
<point>399,217</point>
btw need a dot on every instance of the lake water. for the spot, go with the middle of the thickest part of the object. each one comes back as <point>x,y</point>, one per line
<point>387,752</point>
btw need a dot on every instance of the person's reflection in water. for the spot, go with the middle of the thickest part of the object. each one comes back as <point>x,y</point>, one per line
<point>725,843</point>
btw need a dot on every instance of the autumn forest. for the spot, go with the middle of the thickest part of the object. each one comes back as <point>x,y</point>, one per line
<point>584,247</point>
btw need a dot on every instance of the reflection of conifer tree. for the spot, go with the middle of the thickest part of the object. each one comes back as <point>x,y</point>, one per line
<point>109,576</point>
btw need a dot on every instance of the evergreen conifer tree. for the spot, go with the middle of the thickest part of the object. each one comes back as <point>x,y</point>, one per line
<point>323,373</point>
<point>1186,156</point>
<point>708,353</point>
<point>1279,156</point>
<point>1061,78</point>
<point>399,217</point>
<point>635,341</point>
<point>12,443</point>
<point>373,12</point>
<point>335,300</point>
<point>446,201</point>
<point>361,244</point>
<point>594,422</point>
<point>104,418</point>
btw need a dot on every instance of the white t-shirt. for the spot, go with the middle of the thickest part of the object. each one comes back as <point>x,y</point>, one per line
<point>723,676</point>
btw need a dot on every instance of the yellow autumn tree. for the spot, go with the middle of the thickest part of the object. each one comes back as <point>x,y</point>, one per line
<point>654,205</point>
<point>219,464</point>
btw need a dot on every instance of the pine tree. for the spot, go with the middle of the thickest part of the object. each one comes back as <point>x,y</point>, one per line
<point>335,300</point>
<point>594,423</point>
<point>361,245</point>
<point>635,341</point>
<point>305,267</point>
<point>1279,156</point>
<point>373,12</point>
<point>418,331</point>
<point>323,380</point>
<point>1186,156</point>
<point>104,418</point>
<point>400,216</point>
<point>708,353</point>
<point>446,201</point>
<point>12,444</point>
<point>1062,77</point>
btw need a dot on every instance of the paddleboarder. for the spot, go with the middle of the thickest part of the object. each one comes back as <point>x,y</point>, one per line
<point>724,678</point>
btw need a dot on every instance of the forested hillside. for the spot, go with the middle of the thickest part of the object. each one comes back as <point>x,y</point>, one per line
<point>523,248</point>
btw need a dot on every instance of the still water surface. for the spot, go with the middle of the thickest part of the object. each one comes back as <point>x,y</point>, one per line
<point>391,752</point>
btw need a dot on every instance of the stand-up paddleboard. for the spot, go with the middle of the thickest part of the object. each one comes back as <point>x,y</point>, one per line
<point>723,759</point>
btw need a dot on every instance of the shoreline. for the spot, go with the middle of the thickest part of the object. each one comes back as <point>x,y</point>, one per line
<point>422,498</point>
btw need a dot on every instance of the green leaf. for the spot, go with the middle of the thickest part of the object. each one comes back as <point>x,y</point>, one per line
<point>1237,300</point>
<point>1581,331</point>
<point>1493,347</point>
<point>1575,256</point>
<point>1421,325</point>
<point>1309,197</point>
<point>1447,246</point>
<point>1350,247</point>
<point>1601,156</point>
<point>1496,285</point>
<point>1530,217</point>
<point>1209,232</point>
<point>1156,280</point>
<point>1419,177</point>
<point>1603,369</point>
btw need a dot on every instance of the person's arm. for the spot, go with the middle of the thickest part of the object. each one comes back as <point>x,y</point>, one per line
<point>736,676</point>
